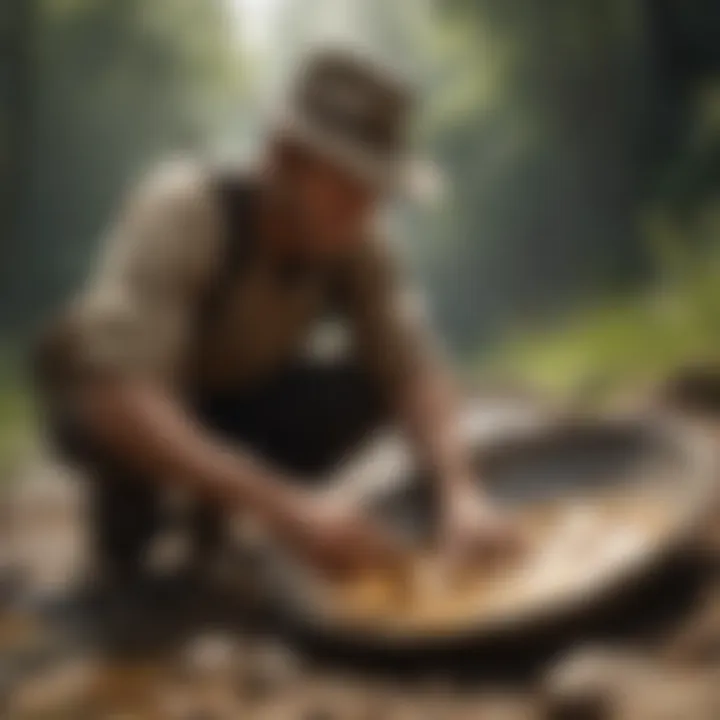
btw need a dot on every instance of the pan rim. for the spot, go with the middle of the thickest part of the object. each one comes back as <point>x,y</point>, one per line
<point>699,473</point>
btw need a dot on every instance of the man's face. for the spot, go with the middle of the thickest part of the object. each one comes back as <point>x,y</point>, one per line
<point>329,205</point>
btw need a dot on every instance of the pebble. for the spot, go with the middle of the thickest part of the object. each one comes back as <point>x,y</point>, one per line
<point>589,682</point>
<point>64,688</point>
<point>697,642</point>
<point>673,695</point>
<point>209,656</point>
<point>267,670</point>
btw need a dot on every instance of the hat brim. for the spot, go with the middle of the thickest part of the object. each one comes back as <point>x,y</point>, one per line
<point>407,176</point>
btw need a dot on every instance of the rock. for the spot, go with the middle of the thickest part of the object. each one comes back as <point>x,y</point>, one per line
<point>693,390</point>
<point>673,695</point>
<point>62,689</point>
<point>209,656</point>
<point>595,684</point>
<point>333,697</point>
<point>320,711</point>
<point>267,670</point>
<point>436,702</point>
<point>506,707</point>
<point>212,700</point>
<point>697,642</point>
<point>13,581</point>
<point>588,684</point>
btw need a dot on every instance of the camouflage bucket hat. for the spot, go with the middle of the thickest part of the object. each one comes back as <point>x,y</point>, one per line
<point>357,113</point>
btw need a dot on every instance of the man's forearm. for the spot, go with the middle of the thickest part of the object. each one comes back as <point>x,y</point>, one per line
<point>153,433</point>
<point>431,413</point>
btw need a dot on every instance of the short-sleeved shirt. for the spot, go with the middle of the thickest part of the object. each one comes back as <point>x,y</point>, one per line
<point>139,312</point>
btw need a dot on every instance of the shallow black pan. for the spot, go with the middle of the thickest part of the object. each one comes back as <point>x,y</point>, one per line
<point>523,461</point>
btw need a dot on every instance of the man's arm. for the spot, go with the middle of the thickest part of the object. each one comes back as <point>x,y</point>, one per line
<point>397,347</point>
<point>135,336</point>
<point>150,429</point>
<point>151,432</point>
<point>402,354</point>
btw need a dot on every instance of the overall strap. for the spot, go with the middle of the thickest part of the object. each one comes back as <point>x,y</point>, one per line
<point>236,194</point>
<point>237,197</point>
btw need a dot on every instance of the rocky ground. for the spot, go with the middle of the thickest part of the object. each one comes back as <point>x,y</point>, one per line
<point>58,661</point>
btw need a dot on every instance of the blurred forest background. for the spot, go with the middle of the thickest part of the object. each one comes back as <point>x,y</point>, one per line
<point>576,242</point>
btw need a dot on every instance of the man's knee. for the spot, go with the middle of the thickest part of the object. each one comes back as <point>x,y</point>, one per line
<point>124,517</point>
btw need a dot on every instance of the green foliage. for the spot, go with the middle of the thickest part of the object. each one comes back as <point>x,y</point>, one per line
<point>630,341</point>
<point>113,86</point>
<point>535,113</point>
<point>16,415</point>
<point>558,124</point>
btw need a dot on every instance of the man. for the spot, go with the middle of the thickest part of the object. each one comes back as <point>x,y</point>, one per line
<point>181,363</point>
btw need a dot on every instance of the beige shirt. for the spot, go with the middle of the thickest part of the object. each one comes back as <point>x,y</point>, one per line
<point>139,313</point>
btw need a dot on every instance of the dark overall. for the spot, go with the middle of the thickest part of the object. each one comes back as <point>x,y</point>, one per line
<point>303,420</point>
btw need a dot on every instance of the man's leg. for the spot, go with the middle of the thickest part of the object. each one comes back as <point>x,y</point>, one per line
<point>124,517</point>
<point>306,420</point>
<point>206,526</point>
<point>124,509</point>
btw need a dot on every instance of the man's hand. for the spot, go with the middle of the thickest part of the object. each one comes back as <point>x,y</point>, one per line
<point>339,541</point>
<point>473,530</point>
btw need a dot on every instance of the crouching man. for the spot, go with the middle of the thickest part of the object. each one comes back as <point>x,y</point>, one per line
<point>181,363</point>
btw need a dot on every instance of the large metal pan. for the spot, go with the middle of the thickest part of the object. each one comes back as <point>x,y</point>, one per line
<point>524,461</point>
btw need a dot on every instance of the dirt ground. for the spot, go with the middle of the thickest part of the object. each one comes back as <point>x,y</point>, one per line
<point>182,652</point>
